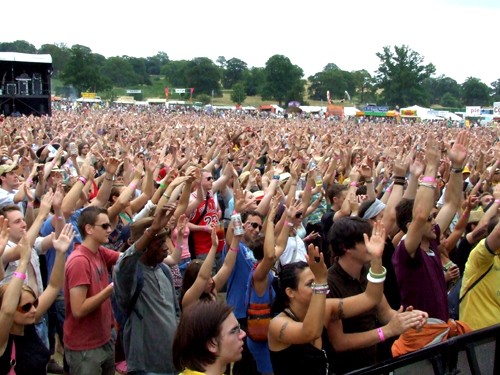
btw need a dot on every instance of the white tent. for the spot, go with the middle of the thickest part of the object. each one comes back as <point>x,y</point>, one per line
<point>25,57</point>
<point>350,111</point>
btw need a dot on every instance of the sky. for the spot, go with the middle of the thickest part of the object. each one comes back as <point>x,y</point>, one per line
<point>457,36</point>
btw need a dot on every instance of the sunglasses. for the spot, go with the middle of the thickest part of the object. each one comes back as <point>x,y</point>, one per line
<point>26,308</point>
<point>255,226</point>
<point>298,215</point>
<point>104,226</point>
<point>210,178</point>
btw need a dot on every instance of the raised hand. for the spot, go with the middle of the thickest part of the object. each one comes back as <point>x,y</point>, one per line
<point>458,152</point>
<point>376,243</point>
<point>4,233</point>
<point>213,236</point>
<point>65,238</point>
<point>46,204</point>
<point>112,165</point>
<point>316,263</point>
<point>432,152</point>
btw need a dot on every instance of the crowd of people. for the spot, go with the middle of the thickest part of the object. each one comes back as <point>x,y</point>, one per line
<point>157,242</point>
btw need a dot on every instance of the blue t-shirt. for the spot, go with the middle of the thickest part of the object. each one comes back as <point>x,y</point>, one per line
<point>237,283</point>
<point>47,228</point>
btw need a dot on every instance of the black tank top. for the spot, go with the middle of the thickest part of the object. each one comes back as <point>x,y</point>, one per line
<point>303,358</point>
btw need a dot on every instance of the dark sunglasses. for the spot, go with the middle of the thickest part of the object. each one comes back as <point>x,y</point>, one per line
<point>26,308</point>
<point>104,226</point>
<point>255,226</point>
<point>298,215</point>
<point>210,178</point>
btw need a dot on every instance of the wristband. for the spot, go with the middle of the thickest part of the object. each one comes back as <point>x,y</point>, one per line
<point>497,201</point>
<point>381,335</point>
<point>20,275</point>
<point>369,180</point>
<point>457,169</point>
<point>60,217</point>
<point>430,179</point>
<point>308,188</point>
<point>378,275</point>
<point>29,180</point>
<point>112,284</point>
<point>399,183</point>
<point>132,185</point>
<point>30,204</point>
<point>162,185</point>
<point>354,184</point>
<point>288,223</point>
<point>235,212</point>
<point>430,186</point>
<point>388,190</point>
<point>83,180</point>
<point>167,197</point>
<point>234,249</point>
<point>374,280</point>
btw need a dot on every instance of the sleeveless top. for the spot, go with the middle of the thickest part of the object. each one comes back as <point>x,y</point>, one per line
<point>302,358</point>
<point>32,356</point>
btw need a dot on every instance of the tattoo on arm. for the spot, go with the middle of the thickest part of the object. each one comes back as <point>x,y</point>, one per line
<point>340,312</point>
<point>282,330</point>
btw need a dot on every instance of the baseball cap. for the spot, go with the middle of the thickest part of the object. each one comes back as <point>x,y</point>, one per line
<point>5,168</point>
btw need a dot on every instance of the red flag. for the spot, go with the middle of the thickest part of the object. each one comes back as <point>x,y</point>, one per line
<point>166,92</point>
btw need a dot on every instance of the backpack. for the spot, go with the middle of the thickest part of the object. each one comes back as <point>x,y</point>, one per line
<point>454,298</point>
<point>121,315</point>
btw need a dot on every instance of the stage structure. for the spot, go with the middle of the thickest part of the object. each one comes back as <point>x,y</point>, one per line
<point>25,84</point>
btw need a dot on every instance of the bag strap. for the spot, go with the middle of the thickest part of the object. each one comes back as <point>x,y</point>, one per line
<point>138,289</point>
<point>474,284</point>
<point>13,359</point>
<point>204,211</point>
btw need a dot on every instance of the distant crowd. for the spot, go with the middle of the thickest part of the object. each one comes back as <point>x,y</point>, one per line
<point>163,242</point>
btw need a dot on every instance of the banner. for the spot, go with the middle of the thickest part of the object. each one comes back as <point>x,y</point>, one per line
<point>134,91</point>
<point>180,91</point>
<point>496,109</point>
<point>473,111</point>
<point>89,95</point>
<point>166,92</point>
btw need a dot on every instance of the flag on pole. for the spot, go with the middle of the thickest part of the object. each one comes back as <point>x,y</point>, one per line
<point>166,92</point>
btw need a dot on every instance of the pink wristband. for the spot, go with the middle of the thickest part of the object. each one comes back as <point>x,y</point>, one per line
<point>430,179</point>
<point>381,334</point>
<point>29,180</point>
<point>308,188</point>
<point>82,179</point>
<point>20,275</point>
<point>354,183</point>
<point>497,201</point>
<point>30,204</point>
<point>132,185</point>
<point>234,249</point>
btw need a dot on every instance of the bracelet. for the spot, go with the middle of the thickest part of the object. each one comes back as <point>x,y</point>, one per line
<point>234,249</point>
<point>354,184</point>
<point>30,204</point>
<point>167,197</point>
<point>83,180</point>
<point>375,280</point>
<point>320,286</point>
<point>132,185</point>
<point>60,217</point>
<point>276,177</point>
<point>381,335</point>
<point>430,179</point>
<point>378,275</point>
<point>288,223</point>
<point>369,180</point>
<point>162,185</point>
<point>430,186</point>
<point>457,169</point>
<point>29,180</point>
<point>321,291</point>
<point>399,183</point>
<point>20,275</point>
<point>388,190</point>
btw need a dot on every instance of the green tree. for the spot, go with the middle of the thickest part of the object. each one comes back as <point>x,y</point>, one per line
<point>204,76</point>
<point>496,90</point>
<point>283,80</point>
<point>254,80</point>
<point>364,86</point>
<point>334,80</point>
<point>449,100</point>
<point>175,73</point>
<point>83,71</point>
<point>59,53</point>
<point>21,46</point>
<point>238,94</point>
<point>156,62</point>
<point>401,75</point>
<point>234,71</point>
<point>119,71</point>
<point>438,87</point>
<point>138,65</point>
<point>476,92</point>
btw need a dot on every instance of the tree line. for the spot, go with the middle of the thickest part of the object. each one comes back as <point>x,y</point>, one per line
<point>401,79</point>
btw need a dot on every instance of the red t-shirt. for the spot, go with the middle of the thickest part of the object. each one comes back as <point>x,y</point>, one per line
<point>83,267</point>
<point>202,239</point>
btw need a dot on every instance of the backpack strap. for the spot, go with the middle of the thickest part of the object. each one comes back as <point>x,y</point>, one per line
<point>475,283</point>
